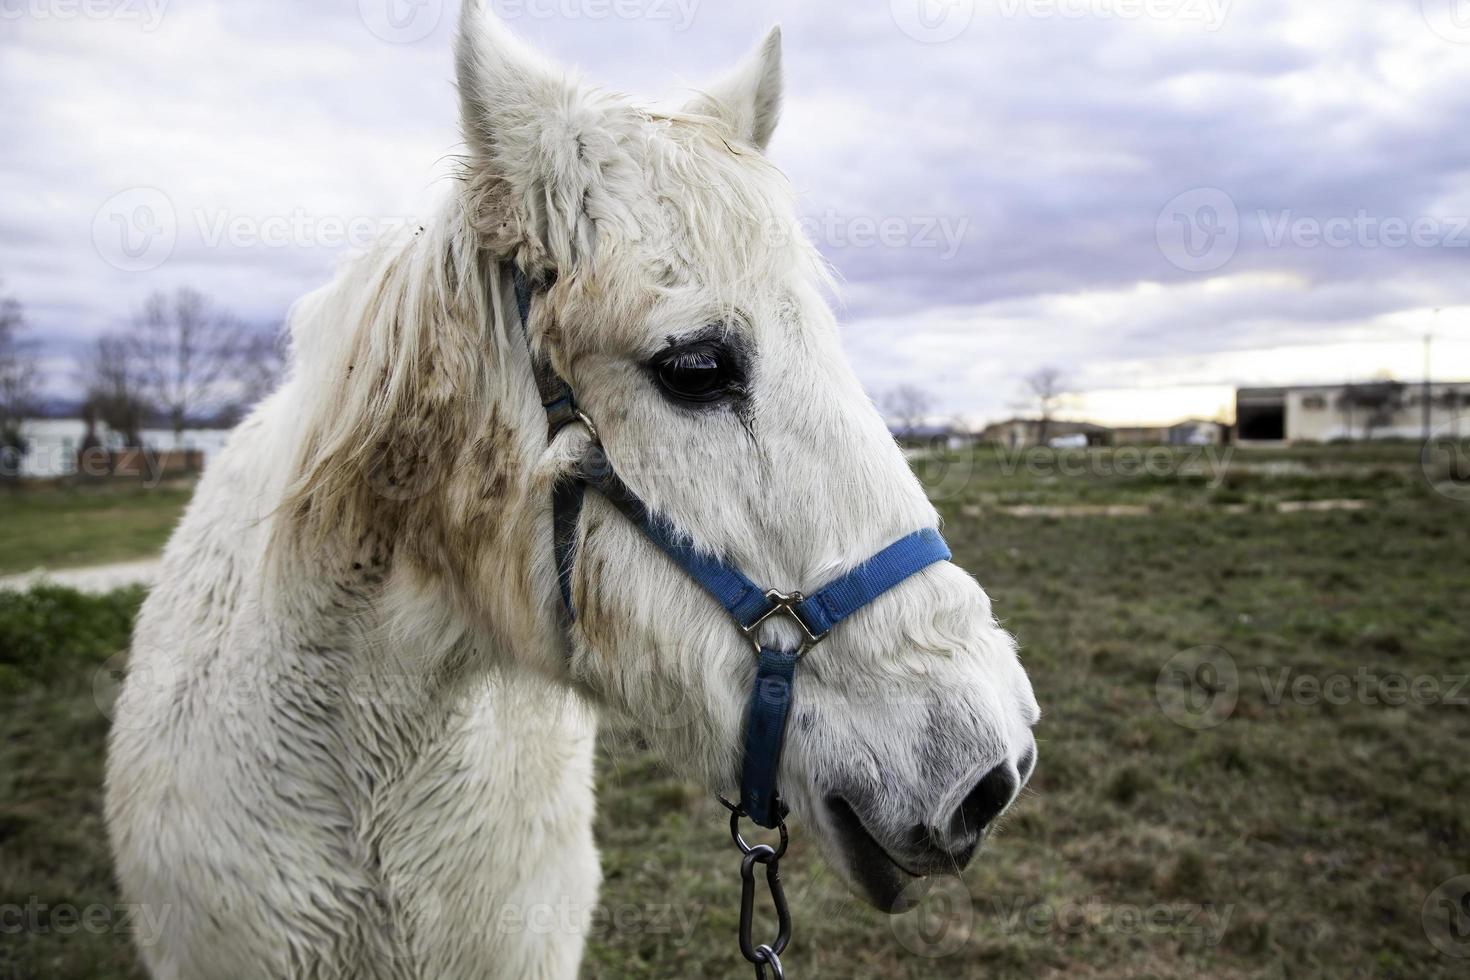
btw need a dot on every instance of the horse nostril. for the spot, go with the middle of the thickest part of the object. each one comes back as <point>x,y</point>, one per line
<point>1028,763</point>
<point>978,810</point>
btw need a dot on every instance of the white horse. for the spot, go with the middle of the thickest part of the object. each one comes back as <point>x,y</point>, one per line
<point>356,738</point>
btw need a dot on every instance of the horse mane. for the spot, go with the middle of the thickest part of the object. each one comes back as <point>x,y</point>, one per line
<point>380,353</point>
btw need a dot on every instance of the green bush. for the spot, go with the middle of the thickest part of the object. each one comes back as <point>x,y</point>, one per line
<point>50,628</point>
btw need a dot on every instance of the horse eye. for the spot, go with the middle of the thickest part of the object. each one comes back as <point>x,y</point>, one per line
<point>699,374</point>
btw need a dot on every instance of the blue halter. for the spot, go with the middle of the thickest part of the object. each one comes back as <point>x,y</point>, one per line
<point>747,603</point>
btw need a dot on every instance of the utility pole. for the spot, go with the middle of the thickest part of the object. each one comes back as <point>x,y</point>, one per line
<point>1428,341</point>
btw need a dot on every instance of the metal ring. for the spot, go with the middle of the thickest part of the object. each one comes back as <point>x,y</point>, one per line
<point>766,956</point>
<point>745,848</point>
<point>591,426</point>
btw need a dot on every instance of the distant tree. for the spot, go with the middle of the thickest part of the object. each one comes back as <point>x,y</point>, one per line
<point>113,391</point>
<point>907,407</point>
<point>185,350</point>
<point>18,372</point>
<point>260,366</point>
<point>1377,403</point>
<point>1045,389</point>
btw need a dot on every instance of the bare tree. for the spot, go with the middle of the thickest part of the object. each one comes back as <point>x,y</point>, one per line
<point>261,366</point>
<point>185,350</point>
<point>114,395</point>
<point>1381,402</point>
<point>907,407</point>
<point>17,385</point>
<point>1046,388</point>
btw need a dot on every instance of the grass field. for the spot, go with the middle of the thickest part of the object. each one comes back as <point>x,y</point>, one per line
<point>67,527</point>
<point>1252,762</point>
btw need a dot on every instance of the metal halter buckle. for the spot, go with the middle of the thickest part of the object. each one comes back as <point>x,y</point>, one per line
<point>784,603</point>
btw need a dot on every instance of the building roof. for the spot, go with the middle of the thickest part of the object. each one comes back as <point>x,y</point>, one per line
<point>1276,391</point>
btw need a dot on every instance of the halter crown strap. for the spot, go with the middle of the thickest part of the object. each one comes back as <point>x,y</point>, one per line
<point>747,603</point>
<point>556,395</point>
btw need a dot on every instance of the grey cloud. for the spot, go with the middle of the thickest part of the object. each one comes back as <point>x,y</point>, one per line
<point>1046,146</point>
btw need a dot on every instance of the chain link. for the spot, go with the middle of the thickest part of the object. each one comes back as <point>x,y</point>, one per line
<point>765,956</point>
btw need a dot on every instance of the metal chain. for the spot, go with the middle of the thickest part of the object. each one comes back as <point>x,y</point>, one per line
<point>765,956</point>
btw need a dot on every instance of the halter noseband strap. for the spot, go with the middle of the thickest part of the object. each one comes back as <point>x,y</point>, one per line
<point>747,603</point>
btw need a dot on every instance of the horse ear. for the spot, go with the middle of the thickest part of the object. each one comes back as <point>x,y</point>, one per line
<point>526,123</point>
<point>748,99</point>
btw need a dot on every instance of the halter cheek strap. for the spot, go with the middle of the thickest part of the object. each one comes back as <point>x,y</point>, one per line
<point>747,603</point>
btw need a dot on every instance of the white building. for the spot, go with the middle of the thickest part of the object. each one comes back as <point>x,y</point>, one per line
<point>52,444</point>
<point>1367,410</point>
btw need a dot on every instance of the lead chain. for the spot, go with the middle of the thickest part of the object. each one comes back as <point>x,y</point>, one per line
<point>766,956</point>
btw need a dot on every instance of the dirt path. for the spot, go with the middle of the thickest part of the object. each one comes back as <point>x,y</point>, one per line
<point>97,578</point>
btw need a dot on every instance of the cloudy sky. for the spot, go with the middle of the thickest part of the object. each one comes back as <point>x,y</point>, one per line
<point>1160,197</point>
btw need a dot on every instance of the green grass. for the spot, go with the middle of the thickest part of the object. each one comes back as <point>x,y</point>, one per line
<point>62,528</point>
<point>1298,838</point>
